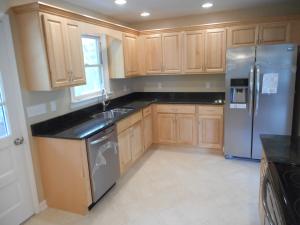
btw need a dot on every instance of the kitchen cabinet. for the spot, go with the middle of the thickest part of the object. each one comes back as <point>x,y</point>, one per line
<point>163,53</point>
<point>273,33</point>
<point>166,128</point>
<point>153,54</point>
<point>239,36</point>
<point>266,33</point>
<point>65,174</point>
<point>193,51</point>
<point>130,140</point>
<point>137,140</point>
<point>124,143</point>
<point>186,129</point>
<point>147,127</point>
<point>130,48</point>
<point>53,43</point>
<point>210,127</point>
<point>175,124</point>
<point>215,50</point>
<point>172,47</point>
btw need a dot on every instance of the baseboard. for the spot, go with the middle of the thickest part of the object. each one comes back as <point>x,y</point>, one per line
<point>43,205</point>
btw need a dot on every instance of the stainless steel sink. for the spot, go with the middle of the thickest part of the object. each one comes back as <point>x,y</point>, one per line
<point>112,114</point>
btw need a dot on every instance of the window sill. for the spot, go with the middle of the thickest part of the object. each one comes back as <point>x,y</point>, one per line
<point>87,102</point>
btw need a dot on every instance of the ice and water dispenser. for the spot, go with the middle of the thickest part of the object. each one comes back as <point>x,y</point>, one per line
<point>238,93</point>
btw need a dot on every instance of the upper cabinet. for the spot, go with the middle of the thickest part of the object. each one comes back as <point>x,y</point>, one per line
<point>51,50</point>
<point>172,47</point>
<point>268,33</point>
<point>193,51</point>
<point>273,33</point>
<point>130,46</point>
<point>215,50</point>
<point>242,35</point>
<point>153,54</point>
<point>64,51</point>
<point>163,53</point>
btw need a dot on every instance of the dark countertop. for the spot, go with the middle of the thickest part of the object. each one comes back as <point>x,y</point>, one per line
<point>81,125</point>
<point>281,149</point>
<point>283,156</point>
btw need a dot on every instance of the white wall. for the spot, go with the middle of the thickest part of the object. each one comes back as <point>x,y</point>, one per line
<point>181,83</point>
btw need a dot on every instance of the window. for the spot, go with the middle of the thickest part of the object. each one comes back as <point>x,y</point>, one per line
<point>93,71</point>
<point>4,130</point>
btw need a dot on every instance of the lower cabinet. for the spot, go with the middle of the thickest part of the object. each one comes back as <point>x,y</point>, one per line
<point>136,140</point>
<point>186,129</point>
<point>175,124</point>
<point>210,127</point>
<point>166,128</point>
<point>130,140</point>
<point>65,173</point>
<point>147,127</point>
<point>124,142</point>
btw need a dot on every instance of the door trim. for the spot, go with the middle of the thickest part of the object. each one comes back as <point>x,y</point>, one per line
<point>12,67</point>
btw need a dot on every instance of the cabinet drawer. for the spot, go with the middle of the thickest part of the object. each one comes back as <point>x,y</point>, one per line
<point>210,110</point>
<point>176,109</point>
<point>147,111</point>
<point>129,121</point>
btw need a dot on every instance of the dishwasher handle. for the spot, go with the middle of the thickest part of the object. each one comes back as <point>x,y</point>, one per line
<point>101,139</point>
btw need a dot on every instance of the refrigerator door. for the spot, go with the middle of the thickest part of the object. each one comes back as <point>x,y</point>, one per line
<point>274,96</point>
<point>238,117</point>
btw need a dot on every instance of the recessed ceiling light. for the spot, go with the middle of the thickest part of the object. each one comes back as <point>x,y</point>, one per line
<point>207,5</point>
<point>120,2</point>
<point>145,14</point>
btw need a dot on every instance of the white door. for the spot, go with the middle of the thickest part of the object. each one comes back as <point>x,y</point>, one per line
<point>16,201</point>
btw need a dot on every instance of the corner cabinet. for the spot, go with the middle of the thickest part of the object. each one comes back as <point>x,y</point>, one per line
<point>50,50</point>
<point>175,124</point>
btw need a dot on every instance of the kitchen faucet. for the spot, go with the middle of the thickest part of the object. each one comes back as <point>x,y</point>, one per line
<point>104,98</point>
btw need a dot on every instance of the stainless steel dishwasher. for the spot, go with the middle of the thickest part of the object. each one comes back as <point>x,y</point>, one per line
<point>103,156</point>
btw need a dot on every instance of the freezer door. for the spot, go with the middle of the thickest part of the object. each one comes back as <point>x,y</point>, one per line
<point>238,120</point>
<point>274,97</point>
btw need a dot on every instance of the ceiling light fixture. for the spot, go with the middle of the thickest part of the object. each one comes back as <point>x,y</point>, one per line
<point>145,14</point>
<point>120,2</point>
<point>207,5</point>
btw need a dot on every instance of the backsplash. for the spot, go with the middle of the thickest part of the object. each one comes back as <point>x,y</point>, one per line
<point>41,106</point>
<point>181,83</point>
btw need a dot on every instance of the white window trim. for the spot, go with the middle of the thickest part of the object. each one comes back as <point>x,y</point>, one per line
<point>95,96</point>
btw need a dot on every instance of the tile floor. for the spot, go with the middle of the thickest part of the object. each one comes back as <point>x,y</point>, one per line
<point>174,186</point>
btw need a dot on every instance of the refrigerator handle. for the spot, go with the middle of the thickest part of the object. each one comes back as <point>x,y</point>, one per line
<point>257,89</point>
<point>251,84</point>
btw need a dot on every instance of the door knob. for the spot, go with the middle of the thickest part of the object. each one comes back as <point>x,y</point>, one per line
<point>19,141</point>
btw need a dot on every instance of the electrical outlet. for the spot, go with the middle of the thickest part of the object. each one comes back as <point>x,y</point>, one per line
<point>53,106</point>
<point>159,85</point>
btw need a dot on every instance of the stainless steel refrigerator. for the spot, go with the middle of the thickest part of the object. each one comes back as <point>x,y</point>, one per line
<point>260,87</point>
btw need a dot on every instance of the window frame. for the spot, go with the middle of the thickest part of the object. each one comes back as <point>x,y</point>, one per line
<point>97,94</point>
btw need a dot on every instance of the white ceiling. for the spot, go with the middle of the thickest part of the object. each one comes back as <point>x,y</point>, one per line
<point>162,9</point>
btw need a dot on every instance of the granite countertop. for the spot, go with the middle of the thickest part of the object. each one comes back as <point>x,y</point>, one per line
<point>80,124</point>
<point>281,149</point>
<point>283,156</point>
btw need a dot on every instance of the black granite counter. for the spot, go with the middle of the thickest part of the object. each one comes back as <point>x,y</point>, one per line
<point>283,156</point>
<point>281,149</point>
<point>81,124</point>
